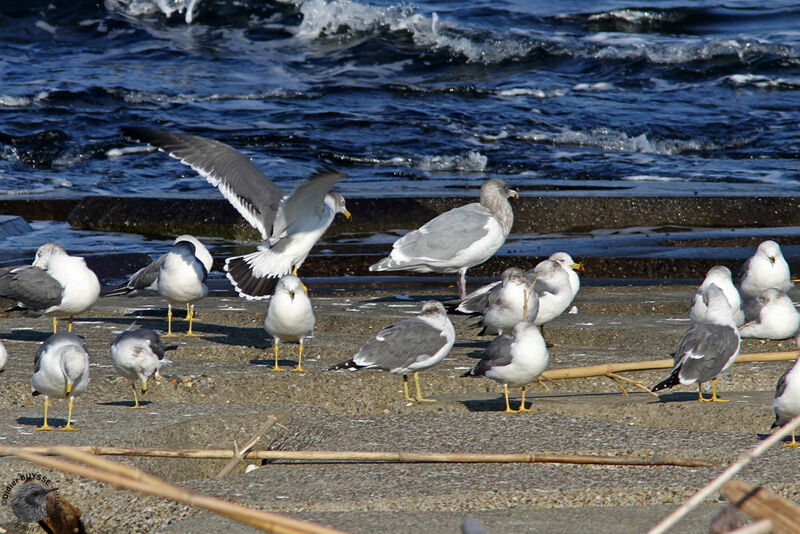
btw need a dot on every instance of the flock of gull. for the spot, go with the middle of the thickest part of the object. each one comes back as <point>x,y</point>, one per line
<point>514,308</point>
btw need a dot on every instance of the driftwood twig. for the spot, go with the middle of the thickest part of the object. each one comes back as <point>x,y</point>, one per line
<point>760,503</point>
<point>239,454</point>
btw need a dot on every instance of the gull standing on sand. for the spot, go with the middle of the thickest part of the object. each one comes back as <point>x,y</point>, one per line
<point>409,346</point>
<point>774,316</point>
<point>290,317</point>
<point>60,370</point>
<point>707,349</point>
<point>181,280</point>
<point>787,398</point>
<point>139,355</point>
<point>514,361</point>
<point>766,268</point>
<point>146,278</point>
<point>721,277</point>
<point>457,239</point>
<point>290,224</point>
<point>509,303</point>
<point>55,284</point>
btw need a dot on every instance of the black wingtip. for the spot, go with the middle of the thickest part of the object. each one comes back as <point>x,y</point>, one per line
<point>170,347</point>
<point>350,365</point>
<point>672,380</point>
<point>122,290</point>
<point>469,373</point>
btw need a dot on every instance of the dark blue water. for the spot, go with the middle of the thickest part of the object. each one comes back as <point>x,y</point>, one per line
<point>424,98</point>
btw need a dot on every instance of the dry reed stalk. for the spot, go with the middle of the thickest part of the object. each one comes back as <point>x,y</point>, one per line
<point>87,465</point>
<point>760,503</point>
<point>239,454</point>
<point>378,456</point>
<point>741,462</point>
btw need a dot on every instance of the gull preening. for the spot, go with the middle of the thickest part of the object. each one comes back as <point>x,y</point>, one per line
<point>720,276</point>
<point>55,284</point>
<point>146,278</point>
<point>409,346</point>
<point>786,403</point>
<point>290,224</point>
<point>60,370</point>
<point>290,317</point>
<point>766,268</point>
<point>552,286</point>
<point>457,239</point>
<point>509,303</point>
<point>707,349</point>
<point>774,316</point>
<point>181,280</point>
<point>514,360</point>
<point>139,355</point>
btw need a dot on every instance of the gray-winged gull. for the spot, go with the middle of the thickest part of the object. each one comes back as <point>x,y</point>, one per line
<point>707,349</point>
<point>774,316</point>
<point>139,355</point>
<point>514,361</point>
<point>289,224</point>
<point>290,317</point>
<point>146,278</point>
<point>60,370</point>
<point>408,346</point>
<point>721,277</point>
<point>766,268</point>
<point>181,280</point>
<point>787,398</point>
<point>55,284</point>
<point>29,502</point>
<point>513,301</point>
<point>457,239</point>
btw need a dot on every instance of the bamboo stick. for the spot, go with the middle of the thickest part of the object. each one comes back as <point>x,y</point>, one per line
<point>613,368</point>
<point>239,454</point>
<point>377,456</point>
<point>129,478</point>
<point>741,462</point>
<point>760,503</point>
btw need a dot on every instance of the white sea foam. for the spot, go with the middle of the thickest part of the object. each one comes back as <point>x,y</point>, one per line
<point>138,8</point>
<point>470,161</point>
<point>9,101</point>
<point>764,82</point>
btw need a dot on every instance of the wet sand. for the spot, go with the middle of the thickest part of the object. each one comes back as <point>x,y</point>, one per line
<point>220,389</point>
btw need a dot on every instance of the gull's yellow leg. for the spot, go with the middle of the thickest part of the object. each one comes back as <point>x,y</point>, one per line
<point>405,388</point>
<point>505,394</point>
<point>299,368</point>
<point>169,322</point>
<point>135,398</point>
<point>294,272</point>
<point>55,324</point>
<point>420,398</point>
<point>69,417</point>
<point>45,426</point>
<point>700,393</point>
<point>69,324</point>
<point>792,443</point>
<point>277,367</point>
<point>714,397</point>
<point>190,313</point>
<point>522,407</point>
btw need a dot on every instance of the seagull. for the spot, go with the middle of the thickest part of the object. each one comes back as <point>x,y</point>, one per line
<point>477,301</point>
<point>181,280</point>
<point>787,398</point>
<point>509,303</point>
<point>514,361</point>
<point>56,284</point>
<point>29,503</point>
<point>408,346</point>
<point>457,239</point>
<point>3,357</point>
<point>766,268</point>
<point>707,349</point>
<point>552,286</point>
<point>289,317</point>
<point>721,277</point>
<point>289,224</point>
<point>61,370</point>
<point>146,278</point>
<point>775,316</point>
<point>139,355</point>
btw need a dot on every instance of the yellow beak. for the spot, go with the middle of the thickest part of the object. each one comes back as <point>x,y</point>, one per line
<point>346,214</point>
<point>69,388</point>
<point>513,194</point>
<point>291,293</point>
<point>577,267</point>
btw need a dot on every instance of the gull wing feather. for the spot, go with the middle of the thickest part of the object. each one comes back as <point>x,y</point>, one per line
<point>307,196</point>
